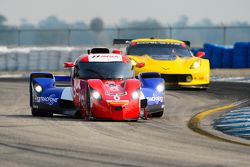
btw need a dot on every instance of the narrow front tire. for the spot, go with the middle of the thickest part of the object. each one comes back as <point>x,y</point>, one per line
<point>39,113</point>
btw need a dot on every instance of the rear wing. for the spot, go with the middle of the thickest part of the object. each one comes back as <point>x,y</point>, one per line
<point>121,41</point>
<point>127,41</point>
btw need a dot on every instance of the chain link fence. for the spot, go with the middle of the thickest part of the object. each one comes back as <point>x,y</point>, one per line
<point>223,35</point>
<point>47,49</point>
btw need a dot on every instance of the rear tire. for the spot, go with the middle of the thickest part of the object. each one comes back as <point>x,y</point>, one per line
<point>85,105</point>
<point>158,114</point>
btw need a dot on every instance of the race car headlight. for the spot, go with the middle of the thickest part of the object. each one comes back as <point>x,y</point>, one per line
<point>160,87</point>
<point>96,95</point>
<point>135,95</point>
<point>38,88</point>
<point>196,64</point>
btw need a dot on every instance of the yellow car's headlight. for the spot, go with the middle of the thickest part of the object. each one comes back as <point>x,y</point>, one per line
<point>196,64</point>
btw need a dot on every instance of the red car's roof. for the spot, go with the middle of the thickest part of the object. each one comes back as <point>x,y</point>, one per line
<point>107,57</point>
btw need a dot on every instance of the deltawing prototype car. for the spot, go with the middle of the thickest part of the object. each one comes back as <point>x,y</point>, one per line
<point>103,86</point>
<point>172,59</point>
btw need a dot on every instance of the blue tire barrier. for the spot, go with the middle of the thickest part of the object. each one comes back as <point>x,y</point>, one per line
<point>216,60</point>
<point>208,49</point>
<point>227,58</point>
<point>248,57</point>
<point>240,55</point>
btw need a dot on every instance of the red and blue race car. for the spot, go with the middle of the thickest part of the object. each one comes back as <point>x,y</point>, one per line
<point>103,86</point>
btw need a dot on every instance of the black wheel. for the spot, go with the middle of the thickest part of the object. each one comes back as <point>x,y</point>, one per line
<point>90,117</point>
<point>86,103</point>
<point>158,114</point>
<point>38,113</point>
<point>133,120</point>
<point>78,114</point>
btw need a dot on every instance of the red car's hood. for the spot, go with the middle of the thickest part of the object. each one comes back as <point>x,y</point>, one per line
<point>115,87</point>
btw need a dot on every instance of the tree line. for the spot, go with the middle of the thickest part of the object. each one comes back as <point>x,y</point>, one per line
<point>54,31</point>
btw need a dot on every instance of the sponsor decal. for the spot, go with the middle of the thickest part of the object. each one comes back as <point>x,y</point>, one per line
<point>116,98</point>
<point>104,57</point>
<point>156,99</point>
<point>114,88</point>
<point>116,94</point>
<point>47,100</point>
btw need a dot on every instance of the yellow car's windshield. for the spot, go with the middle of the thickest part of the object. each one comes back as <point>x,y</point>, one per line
<point>159,51</point>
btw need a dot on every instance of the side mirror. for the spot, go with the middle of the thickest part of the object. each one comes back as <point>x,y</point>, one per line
<point>140,64</point>
<point>117,51</point>
<point>200,54</point>
<point>68,64</point>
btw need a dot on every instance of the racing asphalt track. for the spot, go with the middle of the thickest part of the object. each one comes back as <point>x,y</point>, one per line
<point>61,141</point>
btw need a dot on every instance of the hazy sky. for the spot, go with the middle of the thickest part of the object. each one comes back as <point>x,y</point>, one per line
<point>112,11</point>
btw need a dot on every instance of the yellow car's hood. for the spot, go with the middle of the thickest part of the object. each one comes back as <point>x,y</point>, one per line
<point>177,65</point>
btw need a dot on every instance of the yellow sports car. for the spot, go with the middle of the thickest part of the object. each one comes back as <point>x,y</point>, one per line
<point>173,59</point>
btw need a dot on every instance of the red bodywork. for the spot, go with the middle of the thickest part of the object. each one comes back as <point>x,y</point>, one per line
<point>116,102</point>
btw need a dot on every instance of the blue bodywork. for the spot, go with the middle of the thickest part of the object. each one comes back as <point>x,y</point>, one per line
<point>51,97</point>
<point>155,99</point>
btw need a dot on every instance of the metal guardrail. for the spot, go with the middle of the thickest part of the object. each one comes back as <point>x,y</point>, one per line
<point>224,35</point>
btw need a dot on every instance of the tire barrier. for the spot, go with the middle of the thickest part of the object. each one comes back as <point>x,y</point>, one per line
<point>208,49</point>
<point>240,55</point>
<point>52,58</point>
<point>248,64</point>
<point>216,60</point>
<point>237,56</point>
<point>227,57</point>
<point>37,59</point>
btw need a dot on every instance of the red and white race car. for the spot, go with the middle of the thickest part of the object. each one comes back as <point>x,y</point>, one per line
<point>103,87</point>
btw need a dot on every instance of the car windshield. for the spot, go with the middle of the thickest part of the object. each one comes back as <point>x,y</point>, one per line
<point>106,70</point>
<point>159,51</point>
